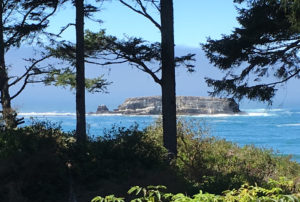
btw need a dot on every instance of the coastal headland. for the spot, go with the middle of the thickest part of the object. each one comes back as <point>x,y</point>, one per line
<point>186,105</point>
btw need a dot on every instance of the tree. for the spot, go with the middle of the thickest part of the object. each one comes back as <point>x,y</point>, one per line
<point>80,73</point>
<point>20,21</point>
<point>75,55</point>
<point>168,89</point>
<point>144,55</point>
<point>266,45</point>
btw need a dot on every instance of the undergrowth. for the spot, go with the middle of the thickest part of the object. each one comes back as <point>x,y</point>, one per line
<point>245,193</point>
<point>42,163</point>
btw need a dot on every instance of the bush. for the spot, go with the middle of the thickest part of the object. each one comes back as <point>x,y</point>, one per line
<point>32,167</point>
<point>215,165</point>
<point>41,163</point>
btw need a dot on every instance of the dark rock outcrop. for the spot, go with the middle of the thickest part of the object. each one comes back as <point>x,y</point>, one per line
<point>102,109</point>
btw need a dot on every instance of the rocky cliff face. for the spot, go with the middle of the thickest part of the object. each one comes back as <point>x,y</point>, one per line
<point>141,106</point>
<point>186,105</point>
<point>205,105</point>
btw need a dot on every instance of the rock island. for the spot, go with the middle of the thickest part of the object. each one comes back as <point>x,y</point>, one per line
<point>186,105</point>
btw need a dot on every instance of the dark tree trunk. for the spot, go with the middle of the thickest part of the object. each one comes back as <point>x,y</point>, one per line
<point>168,78</point>
<point>7,112</point>
<point>80,75</point>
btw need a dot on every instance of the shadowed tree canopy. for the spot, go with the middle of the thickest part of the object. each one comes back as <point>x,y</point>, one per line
<point>156,59</point>
<point>102,49</point>
<point>139,53</point>
<point>74,76</point>
<point>267,45</point>
<point>65,75</point>
<point>21,22</point>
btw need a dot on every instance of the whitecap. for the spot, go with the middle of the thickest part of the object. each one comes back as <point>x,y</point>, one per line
<point>288,124</point>
<point>259,114</point>
<point>242,114</point>
<point>35,114</point>
<point>108,114</point>
<point>220,121</point>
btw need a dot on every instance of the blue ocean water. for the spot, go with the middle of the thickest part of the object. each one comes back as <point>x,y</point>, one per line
<point>277,129</point>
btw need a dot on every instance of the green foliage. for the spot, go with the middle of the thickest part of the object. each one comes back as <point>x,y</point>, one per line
<point>215,165</point>
<point>67,78</point>
<point>135,51</point>
<point>151,193</point>
<point>40,163</point>
<point>32,167</point>
<point>66,51</point>
<point>265,45</point>
<point>292,8</point>
<point>110,198</point>
<point>245,193</point>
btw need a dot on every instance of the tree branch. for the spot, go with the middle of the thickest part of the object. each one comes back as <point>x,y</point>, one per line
<point>143,12</point>
<point>284,80</point>
<point>28,70</point>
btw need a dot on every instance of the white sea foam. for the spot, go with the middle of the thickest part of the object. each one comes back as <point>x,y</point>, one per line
<point>245,112</point>
<point>35,114</point>
<point>90,114</point>
<point>220,121</point>
<point>266,112</point>
<point>39,114</point>
<point>232,115</point>
<point>288,125</point>
<point>259,114</point>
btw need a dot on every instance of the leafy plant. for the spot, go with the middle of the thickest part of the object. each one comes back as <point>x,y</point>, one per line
<point>110,198</point>
<point>245,193</point>
<point>151,193</point>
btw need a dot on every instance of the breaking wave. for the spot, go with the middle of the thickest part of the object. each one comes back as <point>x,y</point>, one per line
<point>37,114</point>
<point>245,112</point>
<point>289,125</point>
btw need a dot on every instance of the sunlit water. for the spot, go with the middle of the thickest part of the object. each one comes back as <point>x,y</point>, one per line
<point>278,129</point>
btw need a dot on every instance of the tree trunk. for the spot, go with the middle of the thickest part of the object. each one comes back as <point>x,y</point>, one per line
<point>7,112</point>
<point>80,75</point>
<point>168,78</point>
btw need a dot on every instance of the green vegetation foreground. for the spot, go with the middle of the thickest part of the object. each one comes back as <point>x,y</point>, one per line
<point>41,163</point>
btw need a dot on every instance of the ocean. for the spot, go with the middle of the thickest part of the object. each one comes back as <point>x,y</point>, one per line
<point>277,129</point>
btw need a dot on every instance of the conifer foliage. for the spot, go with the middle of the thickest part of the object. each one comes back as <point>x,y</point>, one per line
<point>21,21</point>
<point>266,45</point>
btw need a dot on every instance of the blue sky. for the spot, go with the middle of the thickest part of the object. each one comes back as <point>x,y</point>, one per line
<point>195,20</point>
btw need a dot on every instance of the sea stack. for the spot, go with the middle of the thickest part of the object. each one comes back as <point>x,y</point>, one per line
<point>102,109</point>
<point>186,105</point>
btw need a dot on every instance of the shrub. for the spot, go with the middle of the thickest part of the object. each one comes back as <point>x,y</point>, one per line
<point>32,167</point>
<point>215,165</point>
<point>42,163</point>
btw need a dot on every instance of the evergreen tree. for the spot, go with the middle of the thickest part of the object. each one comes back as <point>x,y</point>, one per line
<point>266,45</point>
<point>80,73</point>
<point>168,89</point>
<point>143,55</point>
<point>20,21</point>
<point>75,55</point>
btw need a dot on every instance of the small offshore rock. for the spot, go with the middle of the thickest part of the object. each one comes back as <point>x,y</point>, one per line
<point>102,109</point>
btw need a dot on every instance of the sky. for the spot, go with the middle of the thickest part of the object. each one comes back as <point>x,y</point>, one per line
<point>194,22</point>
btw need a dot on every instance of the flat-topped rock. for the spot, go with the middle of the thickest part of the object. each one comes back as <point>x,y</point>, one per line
<point>205,105</point>
<point>186,105</point>
<point>141,106</point>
